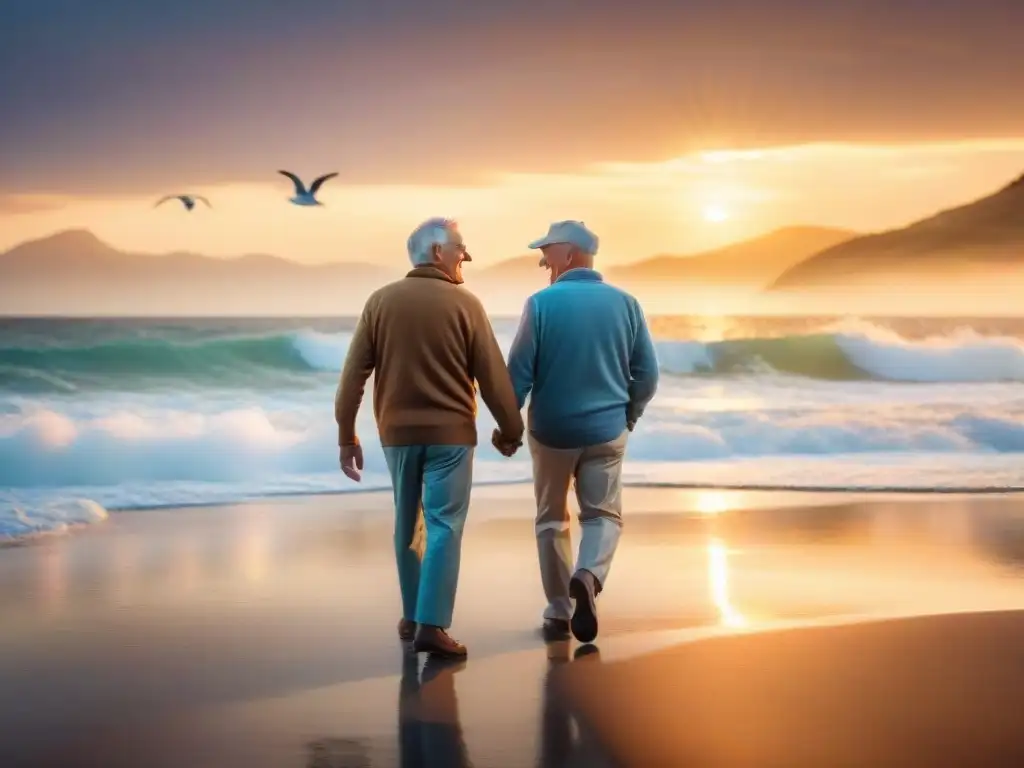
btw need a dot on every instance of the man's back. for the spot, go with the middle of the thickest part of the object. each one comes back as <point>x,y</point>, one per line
<point>427,340</point>
<point>585,356</point>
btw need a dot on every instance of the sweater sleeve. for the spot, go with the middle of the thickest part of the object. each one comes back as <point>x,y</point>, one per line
<point>354,374</point>
<point>523,355</point>
<point>491,374</point>
<point>643,368</point>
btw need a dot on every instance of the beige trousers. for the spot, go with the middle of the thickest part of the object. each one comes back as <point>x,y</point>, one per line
<point>596,473</point>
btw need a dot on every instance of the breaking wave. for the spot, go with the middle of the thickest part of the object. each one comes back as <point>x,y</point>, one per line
<point>866,353</point>
<point>107,417</point>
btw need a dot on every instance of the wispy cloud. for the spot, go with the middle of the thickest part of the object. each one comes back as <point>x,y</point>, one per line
<point>19,204</point>
<point>830,151</point>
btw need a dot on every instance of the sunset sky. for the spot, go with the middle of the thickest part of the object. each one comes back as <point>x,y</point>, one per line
<point>665,126</point>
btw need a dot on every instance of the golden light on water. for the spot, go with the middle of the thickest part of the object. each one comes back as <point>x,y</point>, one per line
<point>718,577</point>
<point>711,502</point>
<point>253,551</point>
<point>710,328</point>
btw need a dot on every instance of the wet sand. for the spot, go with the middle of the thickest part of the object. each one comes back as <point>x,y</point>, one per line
<point>263,634</point>
<point>928,691</point>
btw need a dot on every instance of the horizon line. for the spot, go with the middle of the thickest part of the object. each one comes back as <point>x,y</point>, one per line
<point>320,265</point>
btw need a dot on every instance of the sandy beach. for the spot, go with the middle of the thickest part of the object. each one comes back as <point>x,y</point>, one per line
<point>263,633</point>
<point>923,691</point>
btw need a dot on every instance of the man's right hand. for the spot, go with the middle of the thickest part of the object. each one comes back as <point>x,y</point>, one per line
<point>352,461</point>
<point>505,447</point>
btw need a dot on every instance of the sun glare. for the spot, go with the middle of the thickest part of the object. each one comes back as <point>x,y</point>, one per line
<point>715,214</point>
<point>711,502</point>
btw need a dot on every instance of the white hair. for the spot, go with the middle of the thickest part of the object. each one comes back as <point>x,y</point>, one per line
<point>435,231</point>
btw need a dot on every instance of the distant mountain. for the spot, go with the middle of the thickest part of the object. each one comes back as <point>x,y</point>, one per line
<point>504,286</point>
<point>527,266</point>
<point>74,273</point>
<point>753,262</point>
<point>983,239</point>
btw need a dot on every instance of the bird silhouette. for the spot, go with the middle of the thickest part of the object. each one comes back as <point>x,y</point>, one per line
<point>303,196</point>
<point>189,201</point>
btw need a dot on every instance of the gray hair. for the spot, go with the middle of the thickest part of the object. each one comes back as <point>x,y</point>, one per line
<point>435,231</point>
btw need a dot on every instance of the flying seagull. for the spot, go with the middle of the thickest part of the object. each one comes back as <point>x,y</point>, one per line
<point>302,195</point>
<point>189,201</point>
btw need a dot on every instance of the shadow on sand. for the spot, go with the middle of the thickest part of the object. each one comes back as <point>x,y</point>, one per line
<point>430,732</point>
<point>565,741</point>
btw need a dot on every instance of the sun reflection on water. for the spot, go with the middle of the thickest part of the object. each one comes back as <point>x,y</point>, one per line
<point>712,504</point>
<point>718,576</point>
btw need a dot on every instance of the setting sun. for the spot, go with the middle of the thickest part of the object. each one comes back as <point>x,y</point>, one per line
<point>715,214</point>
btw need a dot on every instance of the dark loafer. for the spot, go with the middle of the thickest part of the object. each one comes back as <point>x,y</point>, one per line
<point>583,589</point>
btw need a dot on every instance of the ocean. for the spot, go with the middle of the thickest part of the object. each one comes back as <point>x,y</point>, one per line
<point>103,415</point>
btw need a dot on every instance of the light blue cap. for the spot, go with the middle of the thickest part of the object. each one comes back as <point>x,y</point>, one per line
<point>572,232</point>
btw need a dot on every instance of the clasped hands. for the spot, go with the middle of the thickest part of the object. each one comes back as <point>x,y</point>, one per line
<point>351,457</point>
<point>506,447</point>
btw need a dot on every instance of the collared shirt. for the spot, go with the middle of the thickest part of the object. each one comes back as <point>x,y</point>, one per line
<point>585,358</point>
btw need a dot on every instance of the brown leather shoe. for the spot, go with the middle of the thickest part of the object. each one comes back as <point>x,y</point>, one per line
<point>437,642</point>
<point>406,630</point>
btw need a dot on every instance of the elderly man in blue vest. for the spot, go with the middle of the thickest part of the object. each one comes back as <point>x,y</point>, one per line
<point>584,356</point>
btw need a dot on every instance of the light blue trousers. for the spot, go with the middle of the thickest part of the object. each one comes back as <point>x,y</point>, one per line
<point>432,485</point>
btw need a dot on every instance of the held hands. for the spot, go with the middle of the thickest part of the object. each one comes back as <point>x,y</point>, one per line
<point>351,459</point>
<point>506,448</point>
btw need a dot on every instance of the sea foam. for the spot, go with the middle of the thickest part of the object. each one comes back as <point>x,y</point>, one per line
<point>157,418</point>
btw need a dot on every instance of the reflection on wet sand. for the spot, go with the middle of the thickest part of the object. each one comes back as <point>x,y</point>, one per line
<point>430,731</point>
<point>565,741</point>
<point>429,727</point>
<point>557,734</point>
<point>910,692</point>
<point>718,576</point>
<point>253,551</point>
<point>338,753</point>
<point>292,605</point>
<point>236,549</point>
<point>716,503</point>
<point>53,580</point>
<point>712,502</point>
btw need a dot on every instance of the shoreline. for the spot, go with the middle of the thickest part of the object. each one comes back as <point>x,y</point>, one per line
<point>762,495</point>
<point>902,491</point>
<point>249,634</point>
